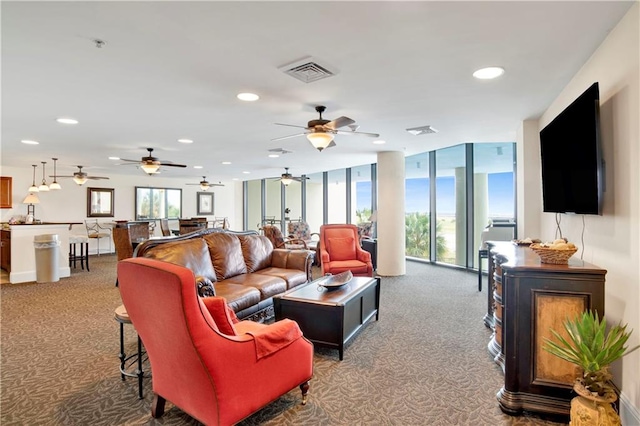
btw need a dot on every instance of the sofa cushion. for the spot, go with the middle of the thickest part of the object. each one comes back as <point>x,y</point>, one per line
<point>192,254</point>
<point>238,296</point>
<point>355,266</point>
<point>342,248</point>
<point>256,250</point>
<point>226,255</point>
<point>268,285</point>
<point>293,277</point>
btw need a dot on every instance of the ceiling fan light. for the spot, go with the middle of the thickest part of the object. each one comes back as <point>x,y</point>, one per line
<point>80,179</point>
<point>150,168</point>
<point>286,180</point>
<point>204,186</point>
<point>320,140</point>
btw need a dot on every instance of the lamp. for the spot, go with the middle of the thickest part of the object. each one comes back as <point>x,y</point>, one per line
<point>33,187</point>
<point>30,200</point>
<point>54,185</point>
<point>79,178</point>
<point>150,167</point>
<point>43,186</point>
<point>320,140</point>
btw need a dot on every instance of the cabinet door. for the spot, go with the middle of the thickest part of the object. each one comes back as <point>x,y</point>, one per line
<point>6,194</point>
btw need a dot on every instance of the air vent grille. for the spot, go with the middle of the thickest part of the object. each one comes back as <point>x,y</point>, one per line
<point>422,130</point>
<point>307,70</point>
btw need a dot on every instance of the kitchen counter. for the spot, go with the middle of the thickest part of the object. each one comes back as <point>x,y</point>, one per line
<point>23,258</point>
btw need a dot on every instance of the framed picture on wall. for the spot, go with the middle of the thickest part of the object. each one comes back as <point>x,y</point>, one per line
<point>205,203</point>
<point>100,202</point>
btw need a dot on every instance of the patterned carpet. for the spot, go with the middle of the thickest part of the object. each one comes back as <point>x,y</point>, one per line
<point>424,363</point>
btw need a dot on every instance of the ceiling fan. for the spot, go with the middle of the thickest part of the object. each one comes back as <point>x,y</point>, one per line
<point>81,177</point>
<point>286,178</point>
<point>204,185</point>
<point>151,164</point>
<point>321,132</point>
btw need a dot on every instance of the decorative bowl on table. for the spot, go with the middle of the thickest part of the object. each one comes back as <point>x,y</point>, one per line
<point>333,282</point>
<point>526,241</point>
<point>556,253</point>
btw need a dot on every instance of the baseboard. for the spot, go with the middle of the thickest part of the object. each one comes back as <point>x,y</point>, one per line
<point>629,415</point>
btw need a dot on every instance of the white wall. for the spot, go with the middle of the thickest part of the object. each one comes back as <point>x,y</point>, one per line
<point>611,241</point>
<point>70,202</point>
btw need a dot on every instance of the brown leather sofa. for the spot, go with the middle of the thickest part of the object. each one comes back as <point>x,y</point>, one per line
<point>242,267</point>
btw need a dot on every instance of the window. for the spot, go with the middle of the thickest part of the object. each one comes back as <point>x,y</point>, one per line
<point>158,203</point>
<point>451,205</point>
<point>361,202</point>
<point>337,196</point>
<point>416,206</point>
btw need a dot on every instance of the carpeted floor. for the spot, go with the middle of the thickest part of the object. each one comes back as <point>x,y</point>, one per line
<point>424,362</point>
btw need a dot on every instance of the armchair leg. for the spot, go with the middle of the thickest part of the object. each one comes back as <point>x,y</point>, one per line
<point>305,389</point>
<point>157,407</point>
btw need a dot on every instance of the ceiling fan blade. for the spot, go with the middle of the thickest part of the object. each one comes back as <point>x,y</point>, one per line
<point>291,125</point>
<point>344,132</point>
<point>300,178</point>
<point>287,137</point>
<point>339,122</point>
<point>331,145</point>
<point>172,165</point>
<point>131,161</point>
<point>96,177</point>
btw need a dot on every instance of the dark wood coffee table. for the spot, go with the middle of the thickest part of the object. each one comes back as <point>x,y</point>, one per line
<point>330,318</point>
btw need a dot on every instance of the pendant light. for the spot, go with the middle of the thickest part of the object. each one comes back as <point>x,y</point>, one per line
<point>43,186</point>
<point>33,187</point>
<point>54,185</point>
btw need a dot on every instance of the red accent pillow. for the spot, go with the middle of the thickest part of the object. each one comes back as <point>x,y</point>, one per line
<point>217,307</point>
<point>342,248</point>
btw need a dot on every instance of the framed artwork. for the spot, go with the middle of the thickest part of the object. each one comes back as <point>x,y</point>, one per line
<point>100,202</point>
<point>205,203</point>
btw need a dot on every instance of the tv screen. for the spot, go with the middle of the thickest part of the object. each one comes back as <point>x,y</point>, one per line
<point>572,158</point>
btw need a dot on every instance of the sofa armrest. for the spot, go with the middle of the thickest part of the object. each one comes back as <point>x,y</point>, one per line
<point>293,259</point>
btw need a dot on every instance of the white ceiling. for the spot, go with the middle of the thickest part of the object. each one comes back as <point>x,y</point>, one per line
<point>171,70</point>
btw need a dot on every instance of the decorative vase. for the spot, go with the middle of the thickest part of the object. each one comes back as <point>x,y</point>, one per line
<point>592,410</point>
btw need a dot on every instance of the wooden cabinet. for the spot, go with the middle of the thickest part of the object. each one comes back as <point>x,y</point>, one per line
<point>6,192</point>
<point>527,299</point>
<point>5,250</point>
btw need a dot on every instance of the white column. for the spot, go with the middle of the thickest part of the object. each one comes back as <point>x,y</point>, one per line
<point>391,221</point>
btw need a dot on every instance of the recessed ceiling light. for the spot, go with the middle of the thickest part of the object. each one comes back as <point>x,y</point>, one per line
<point>114,158</point>
<point>226,162</point>
<point>379,142</point>
<point>28,142</point>
<point>249,97</point>
<point>185,141</point>
<point>246,172</point>
<point>197,167</point>
<point>67,120</point>
<point>273,156</point>
<point>488,73</point>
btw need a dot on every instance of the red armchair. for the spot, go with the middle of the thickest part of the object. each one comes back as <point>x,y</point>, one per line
<point>340,251</point>
<point>213,367</point>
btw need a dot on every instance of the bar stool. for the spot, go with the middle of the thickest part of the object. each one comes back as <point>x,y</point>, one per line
<point>83,240</point>
<point>126,362</point>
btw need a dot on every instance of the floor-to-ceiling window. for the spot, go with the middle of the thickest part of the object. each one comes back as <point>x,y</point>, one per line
<point>314,203</point>
<point>361,202</point>
<point>254,203</point>
<point>451,218</point>
<point>273,209</point>
<point>416,206</point>
<point>337,194</point>
<point>494,186</point>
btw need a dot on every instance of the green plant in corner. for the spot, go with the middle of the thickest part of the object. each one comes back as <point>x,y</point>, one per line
<point>591,348</point>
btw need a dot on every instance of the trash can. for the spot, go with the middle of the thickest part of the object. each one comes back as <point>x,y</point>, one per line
<point>47,248</point>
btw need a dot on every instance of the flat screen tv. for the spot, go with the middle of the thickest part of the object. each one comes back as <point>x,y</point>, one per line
<point>570,148</point>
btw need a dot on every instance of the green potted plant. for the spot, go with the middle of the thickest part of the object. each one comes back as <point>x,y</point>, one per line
<point>591,348</point>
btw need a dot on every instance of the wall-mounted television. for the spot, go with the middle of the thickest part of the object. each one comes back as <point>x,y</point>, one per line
<point>571,153</point>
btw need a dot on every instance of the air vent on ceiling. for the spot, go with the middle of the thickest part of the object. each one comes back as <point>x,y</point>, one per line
<point>307,70</point>
<point>422,130</point>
